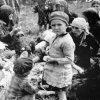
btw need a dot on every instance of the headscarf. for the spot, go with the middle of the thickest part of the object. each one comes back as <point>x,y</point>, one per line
<point>81,23</point>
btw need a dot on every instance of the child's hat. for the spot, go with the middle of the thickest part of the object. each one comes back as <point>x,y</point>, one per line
<point>60,16</point>
<point>23,62</point>
<point>22,65</point>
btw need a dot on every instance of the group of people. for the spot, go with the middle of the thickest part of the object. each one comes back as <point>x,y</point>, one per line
<point>67,47</point>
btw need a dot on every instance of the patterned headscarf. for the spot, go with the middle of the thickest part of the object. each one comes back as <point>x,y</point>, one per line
<point>81,23</point>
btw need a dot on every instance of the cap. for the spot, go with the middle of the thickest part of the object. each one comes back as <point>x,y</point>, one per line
<point>60,16</point>
<point>23,65</point>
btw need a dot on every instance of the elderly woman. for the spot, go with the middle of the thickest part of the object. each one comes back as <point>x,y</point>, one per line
<point>86,45</point>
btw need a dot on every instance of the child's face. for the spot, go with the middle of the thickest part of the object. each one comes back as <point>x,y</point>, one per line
<point>58,26</point>
<point>96,6</point>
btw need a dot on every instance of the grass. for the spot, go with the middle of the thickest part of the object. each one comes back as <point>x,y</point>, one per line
<point>28,19</point>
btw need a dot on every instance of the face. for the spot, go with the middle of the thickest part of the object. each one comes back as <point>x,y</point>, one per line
<point>76,31</point>
<point>12,21</point>
<point>96,6</point>
<point>58,26</point>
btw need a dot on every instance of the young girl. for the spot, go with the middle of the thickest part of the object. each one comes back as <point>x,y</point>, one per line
<point>20,87</point>
<point>60,56</point>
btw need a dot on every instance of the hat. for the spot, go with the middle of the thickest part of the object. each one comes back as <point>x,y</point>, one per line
<point>22,65</point>
<point>60,16</point>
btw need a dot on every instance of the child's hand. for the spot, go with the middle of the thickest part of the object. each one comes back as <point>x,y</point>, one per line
<point>47,58</point>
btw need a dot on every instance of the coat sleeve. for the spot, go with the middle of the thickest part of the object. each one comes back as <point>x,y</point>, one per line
<point>68,49</point>
<point>93,44</point>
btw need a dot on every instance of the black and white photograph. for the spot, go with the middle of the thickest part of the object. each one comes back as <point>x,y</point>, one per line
<point>49,49</point>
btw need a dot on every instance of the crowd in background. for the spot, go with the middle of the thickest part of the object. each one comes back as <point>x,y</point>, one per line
<point>67,48</point>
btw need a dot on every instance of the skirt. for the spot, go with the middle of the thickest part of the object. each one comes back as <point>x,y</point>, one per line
<point>57,76</point>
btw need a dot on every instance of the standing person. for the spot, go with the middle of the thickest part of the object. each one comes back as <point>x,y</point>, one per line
<point>96,4</point>
<point>62,5</point>
<point>60,55</point>
<point>20,87</point>
<point>86,44</point>
<point>92,17</point>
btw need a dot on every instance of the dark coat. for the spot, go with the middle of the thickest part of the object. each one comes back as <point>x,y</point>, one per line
<point>85,49</point>
<point>94,22</point>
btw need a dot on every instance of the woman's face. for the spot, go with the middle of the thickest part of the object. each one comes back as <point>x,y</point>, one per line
<point>58,26</point>
<point>76,31</point>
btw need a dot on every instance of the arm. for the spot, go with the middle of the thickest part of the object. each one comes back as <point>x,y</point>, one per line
<point>57,60</point>
<point>67,49</point>
<point>28,87</point>
<point>76,67</point>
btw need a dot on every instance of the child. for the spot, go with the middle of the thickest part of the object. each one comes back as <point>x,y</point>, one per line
<point>96,4</point>
<point>58,68</point>
<point>20,87</point>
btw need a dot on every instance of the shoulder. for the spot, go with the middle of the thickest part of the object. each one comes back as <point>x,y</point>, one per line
<point>67,41</point>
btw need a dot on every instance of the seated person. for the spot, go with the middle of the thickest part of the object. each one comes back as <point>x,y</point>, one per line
<point>86,44</point>
<point>20,87</point>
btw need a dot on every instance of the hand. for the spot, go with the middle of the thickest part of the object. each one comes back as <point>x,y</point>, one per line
<point>20,33</point>
<point>81,71</point>
<point>15,31</point>
<point>47,58</point>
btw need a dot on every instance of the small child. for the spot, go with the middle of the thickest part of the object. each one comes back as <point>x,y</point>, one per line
<point>60,56</point>
<point>96,5</point>
<point>20,87</point>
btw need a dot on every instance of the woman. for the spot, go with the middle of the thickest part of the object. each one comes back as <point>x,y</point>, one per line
<point>86,44</point>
